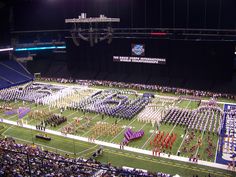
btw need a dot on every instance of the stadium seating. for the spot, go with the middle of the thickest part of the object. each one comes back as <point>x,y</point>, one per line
<point>30,160</point>
<point>17,67</point>
<point>4,83</point>
<point>12,73</point>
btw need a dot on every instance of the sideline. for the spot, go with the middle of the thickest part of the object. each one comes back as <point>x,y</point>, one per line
<point>127,148</point>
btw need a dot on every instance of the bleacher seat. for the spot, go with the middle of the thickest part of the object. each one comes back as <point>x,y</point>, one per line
<point>18,67</point>
<point>12,73</point>
<point>4,83</point>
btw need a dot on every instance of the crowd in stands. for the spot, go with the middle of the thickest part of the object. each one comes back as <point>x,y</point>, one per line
<point>174,90</point>
<point>30,160</point>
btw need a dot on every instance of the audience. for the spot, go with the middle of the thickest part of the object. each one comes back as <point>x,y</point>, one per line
<point>25,160</point>
<point>174,90</point>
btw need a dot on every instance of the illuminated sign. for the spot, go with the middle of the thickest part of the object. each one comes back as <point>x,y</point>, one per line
<point>127,59</point>
<point>138,50</point>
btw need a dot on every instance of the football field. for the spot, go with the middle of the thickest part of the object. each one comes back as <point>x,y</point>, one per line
<point>88,122</point>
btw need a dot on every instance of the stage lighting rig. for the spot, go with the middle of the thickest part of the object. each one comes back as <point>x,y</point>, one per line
<point>91,29</point>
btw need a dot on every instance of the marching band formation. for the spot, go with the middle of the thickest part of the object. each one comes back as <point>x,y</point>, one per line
<point>104,129</point>
<point>125,104</point>
<point>203,119</point>
<point>151,115</point>
<point>112,103</point>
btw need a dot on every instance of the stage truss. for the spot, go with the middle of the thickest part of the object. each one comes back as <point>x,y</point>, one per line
<point>91,29</point>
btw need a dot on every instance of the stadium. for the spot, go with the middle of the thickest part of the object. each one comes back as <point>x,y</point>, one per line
<point>118,88</point>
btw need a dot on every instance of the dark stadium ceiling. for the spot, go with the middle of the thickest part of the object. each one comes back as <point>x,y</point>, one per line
<point>2,4</point>
<point>9,3</point>
<point>178,23</point>
<point>158,33</point>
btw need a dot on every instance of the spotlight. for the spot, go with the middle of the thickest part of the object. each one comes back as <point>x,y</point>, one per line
<point>6,49</point>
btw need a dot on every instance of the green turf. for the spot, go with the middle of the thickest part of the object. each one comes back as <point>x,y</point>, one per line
<point>183,104</point>
<point>190,145</point>
<point>193,105</point>
<point>3,128</point>
<point>202,150</point>
<point>65,145</point>
<point>117,157</point>
<point>143,143</point>
<point>144,91</point>
<point>159,164</point>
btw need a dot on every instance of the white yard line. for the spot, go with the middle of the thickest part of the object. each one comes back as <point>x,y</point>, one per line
<point>117,146</point>
<point>216,149</point>
<point>81,152</point>
<point>34,119</point>
<point>201,137</point>
<point>108,130</point>
<point>91,129</point>
<point>148,140</point>
<point>198,146</point>
<point>188,104</point>
<point>70,121</point>
<point>176,124</point>
<point>142,126</point>
<point>41,145</point>
<point>71,114</point>
<point>123,130</point>
<point>7,129</point>
<point>11,117</point>
<point>30,110</point>
<point>154,130</point>
<point>172,129</point>
<point>15,115</point>
<point>182,142</point>
<point>95,116</point>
